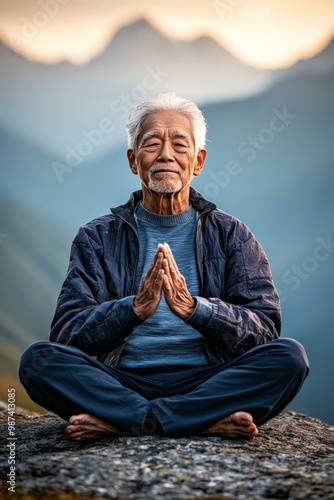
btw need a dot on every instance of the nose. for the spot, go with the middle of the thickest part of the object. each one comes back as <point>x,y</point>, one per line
<point>166,152</point>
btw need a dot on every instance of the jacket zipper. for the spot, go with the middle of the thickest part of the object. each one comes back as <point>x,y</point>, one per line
<point>207,352</point>
<point>137,258</point>
<point>196,251</point>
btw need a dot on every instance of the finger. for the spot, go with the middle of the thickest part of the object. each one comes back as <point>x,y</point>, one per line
<point>161,247</point>
<point>155,275</point>
<point>166,249</point>
<point>165,266</point>
<point>167,286</point>
<point>151,285</point>
<point>172,263</point>
<point>148,296</point>
<point>168,278</point>
<point>159,279</point>
<point>155,266</point>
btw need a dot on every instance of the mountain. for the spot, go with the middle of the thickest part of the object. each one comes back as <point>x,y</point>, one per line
<point>33,260</point>
<point>57,103</point>
<point>188,64</point>
<point>60,104</point>
<point>320,64</point>
<point>70,199</point>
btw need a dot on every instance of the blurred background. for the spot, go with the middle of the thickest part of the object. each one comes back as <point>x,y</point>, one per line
<point>262,71</point>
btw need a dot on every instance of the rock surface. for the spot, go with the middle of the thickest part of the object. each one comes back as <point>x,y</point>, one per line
<point>292,458</point>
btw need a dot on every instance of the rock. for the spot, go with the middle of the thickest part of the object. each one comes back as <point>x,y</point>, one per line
<point>292,458</point>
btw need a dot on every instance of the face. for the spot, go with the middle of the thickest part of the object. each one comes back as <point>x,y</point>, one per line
<point>166,158</point>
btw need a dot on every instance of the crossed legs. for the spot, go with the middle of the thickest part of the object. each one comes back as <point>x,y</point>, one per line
<point>229,400</point>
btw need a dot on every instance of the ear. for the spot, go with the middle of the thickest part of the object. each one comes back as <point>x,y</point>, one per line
<point>132,161</point>
<point>201,155</point>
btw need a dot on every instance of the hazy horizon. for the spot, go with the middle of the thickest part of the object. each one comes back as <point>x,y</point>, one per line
<point>263,34</point>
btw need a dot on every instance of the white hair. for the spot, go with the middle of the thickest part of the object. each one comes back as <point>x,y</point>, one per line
<point>166,102</point>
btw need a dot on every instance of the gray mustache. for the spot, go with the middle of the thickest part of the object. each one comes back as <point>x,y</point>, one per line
<point>155,168</point>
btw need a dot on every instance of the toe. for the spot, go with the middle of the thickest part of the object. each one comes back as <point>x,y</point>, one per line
<point>242,418</point>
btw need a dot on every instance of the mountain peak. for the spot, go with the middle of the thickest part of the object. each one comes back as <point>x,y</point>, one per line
<point>321,63</point>
<point>140,24</point>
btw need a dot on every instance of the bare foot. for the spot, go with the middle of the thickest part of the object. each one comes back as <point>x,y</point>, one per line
<point>239,424</point>
<point>85,427</point>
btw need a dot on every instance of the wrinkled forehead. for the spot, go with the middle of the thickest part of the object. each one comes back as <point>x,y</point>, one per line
<point>161,133</point>
<point>160,123</point>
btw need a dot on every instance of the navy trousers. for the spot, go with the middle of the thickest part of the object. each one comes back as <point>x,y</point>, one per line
<point>177,401</point>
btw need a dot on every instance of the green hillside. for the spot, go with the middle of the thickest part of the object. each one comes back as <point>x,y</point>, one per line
<point>33,261</point>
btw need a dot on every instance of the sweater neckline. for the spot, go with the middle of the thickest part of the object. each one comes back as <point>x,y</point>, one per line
<point>165,220</point>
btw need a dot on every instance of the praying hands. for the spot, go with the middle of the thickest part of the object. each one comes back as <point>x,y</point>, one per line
<point>164,275</point>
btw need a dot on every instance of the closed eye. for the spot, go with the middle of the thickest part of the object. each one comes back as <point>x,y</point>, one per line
<point>180,145</point>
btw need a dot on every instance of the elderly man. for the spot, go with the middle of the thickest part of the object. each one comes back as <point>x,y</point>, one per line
<point>168,321</point>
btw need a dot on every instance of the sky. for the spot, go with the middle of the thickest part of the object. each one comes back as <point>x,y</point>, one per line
<point>263,33</point>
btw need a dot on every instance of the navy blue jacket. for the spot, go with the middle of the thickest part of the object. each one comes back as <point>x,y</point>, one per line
<point>238,307</point>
